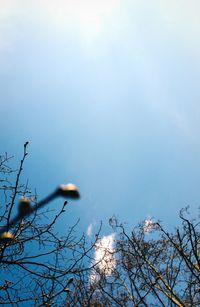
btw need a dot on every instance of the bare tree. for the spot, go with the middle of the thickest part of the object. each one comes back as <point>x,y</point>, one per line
<point>152,266</point>
<point>38,264</point>
<point>147,266</point>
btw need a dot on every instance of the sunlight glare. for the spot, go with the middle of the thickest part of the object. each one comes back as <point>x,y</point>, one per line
<point>85,17</point>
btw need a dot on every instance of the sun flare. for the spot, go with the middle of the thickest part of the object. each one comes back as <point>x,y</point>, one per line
<point>87,18</point>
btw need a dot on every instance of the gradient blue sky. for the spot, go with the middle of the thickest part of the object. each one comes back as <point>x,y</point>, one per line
<point>107,93</point>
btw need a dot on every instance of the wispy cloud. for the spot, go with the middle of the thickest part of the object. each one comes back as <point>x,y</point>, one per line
<point>90,230</point>
<point>104,257</point>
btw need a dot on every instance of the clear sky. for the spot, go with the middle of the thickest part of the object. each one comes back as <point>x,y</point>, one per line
<point>107,93</point>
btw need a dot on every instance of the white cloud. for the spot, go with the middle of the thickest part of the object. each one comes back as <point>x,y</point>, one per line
<point>104,257</point>
<point>90,230</point>
<point>148,225</point>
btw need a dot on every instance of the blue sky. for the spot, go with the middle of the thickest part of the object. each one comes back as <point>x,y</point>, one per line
<point>107,93</point>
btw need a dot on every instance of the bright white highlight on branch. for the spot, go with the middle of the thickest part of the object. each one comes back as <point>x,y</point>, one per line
<point>104,257</point>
